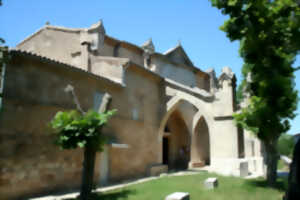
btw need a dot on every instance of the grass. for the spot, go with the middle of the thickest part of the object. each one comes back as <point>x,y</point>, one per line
<point>281,166</point>
<point>229,188</point>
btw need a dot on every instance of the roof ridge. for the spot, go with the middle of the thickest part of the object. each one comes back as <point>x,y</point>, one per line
<point>172,49</point>
<point>62,28</point>
<point>30,36</point>
<point>59,28</point>
<point>179,46</point>
<point>52,27</point>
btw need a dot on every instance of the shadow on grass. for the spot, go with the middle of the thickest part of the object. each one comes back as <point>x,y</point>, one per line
<point>123,194</point>
<point>280,185</point>
<point>114,195</point>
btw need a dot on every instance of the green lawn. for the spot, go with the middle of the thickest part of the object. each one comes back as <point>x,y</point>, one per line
<point>229,188</point>
<point>281,165</point>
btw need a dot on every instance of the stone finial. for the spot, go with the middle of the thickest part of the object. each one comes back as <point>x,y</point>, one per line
<point>47,23</point>
<point>179,42</point>
<point>149,49</point>
<point>227,70</point>
<point>148,46</point>
<point>99,27</point>
<point>211,72</point>
<point>227,74</point>
<point>213,79</point>
<point>94,36</point>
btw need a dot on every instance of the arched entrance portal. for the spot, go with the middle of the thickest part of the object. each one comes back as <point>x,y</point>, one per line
<point>176,142</point>
<point>200,148</point>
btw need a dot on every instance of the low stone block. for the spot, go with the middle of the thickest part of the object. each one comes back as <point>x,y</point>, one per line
<point>244,169</point>
<point>287,161</point>
<point>211,183</point>
<point>178,196</point>
<point>156,170</point>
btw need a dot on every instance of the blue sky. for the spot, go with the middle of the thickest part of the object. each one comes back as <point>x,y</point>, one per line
<point>195,23</point>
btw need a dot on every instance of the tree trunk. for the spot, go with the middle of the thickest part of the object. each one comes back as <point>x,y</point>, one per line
<point>271,161</point>
<point>87,171</point>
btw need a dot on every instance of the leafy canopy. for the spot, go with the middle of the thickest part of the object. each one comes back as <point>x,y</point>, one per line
<point>269,34</point>
<point>73,129</point>
<point>286,145</point>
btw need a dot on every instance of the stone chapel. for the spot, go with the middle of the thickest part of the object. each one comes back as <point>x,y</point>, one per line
<point>171,115</point>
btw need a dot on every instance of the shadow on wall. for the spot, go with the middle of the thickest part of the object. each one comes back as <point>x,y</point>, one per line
<point>201,144</point>
<point>178,142</point>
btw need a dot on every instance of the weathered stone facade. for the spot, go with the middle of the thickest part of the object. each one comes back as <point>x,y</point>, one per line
<point>169,112</point>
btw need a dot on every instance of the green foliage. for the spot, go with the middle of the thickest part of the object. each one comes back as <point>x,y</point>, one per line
<point>4,56</point>
<point>268,31</point>
<point>286,145</point>
<point>269,35</point>
<point>73,129</point>
<point>240,92</point>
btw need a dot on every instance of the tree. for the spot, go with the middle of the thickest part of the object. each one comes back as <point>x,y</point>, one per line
<point>81,129</point>
<point>286,144</point>
<point>240,93</point>
<point>268,31</point>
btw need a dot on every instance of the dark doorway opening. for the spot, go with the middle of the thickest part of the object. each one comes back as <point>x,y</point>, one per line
<point>165,150</point>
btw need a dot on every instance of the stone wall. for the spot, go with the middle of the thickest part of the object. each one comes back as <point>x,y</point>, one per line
<point>34,92</point>
<point>48,42</point>
<point>174,72</point>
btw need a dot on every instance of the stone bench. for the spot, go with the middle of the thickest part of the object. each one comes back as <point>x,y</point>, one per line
<point>178,196</point>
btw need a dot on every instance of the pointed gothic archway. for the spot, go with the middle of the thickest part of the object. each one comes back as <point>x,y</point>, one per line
<point>200,147</point>
<point>173,105</point>
<point>176,142</point>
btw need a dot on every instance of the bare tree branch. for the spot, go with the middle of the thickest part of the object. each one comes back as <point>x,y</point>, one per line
<point>104,104</point>
<point>70,89</point>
